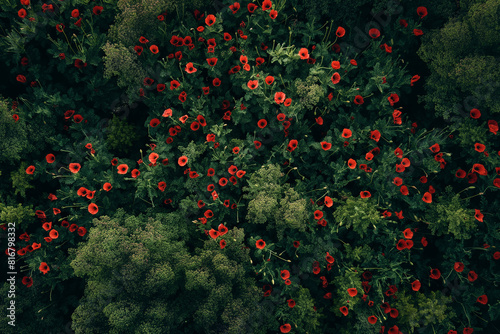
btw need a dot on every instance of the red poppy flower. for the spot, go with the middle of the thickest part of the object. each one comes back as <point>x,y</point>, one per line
<point>74,167</point>
<point>222,244</point>
<point>483,299</point>
<point>30,170</point>
<point>259,61</point>
<point>304,53</point>
<point>288,102</point>
<point>216,82</point>
<point>351,163</point>
<point>47,226</point>
<point>472,276</point>
<point>240,173</point>
<point>418,32</point>
<point>346,133</point>
<point>414,79</point>
<point>135,173</point>
<point>340,32</point>
<point>210,20</point>
<point>148,81</point>
<point>60,27</point>
<point>335,78</point>
<point>352,292</point>
<point>408,233</point>
<point>397,181</point>
<point>162,185</point>
<point>190,68</point>
<point>21,78</point>
<point>328,202</point>
<point>493,126</point>
<point>496,255</point>
<point>28,281</point>
<point>296,244</point>
<point>232,169</point>
<point>252,84</point>
<point>422,12</point>
<point>269,80</point>
<point>358,99</point>
<point>404,190</point>
<point>279,97</point>
<point>195,126</point>
<point>208,214</point>
<point>427,198</point>
<point>122,169</point>
<point>344,310</point>
<point>435,274</point>
<point>479,147</point>
<point>424,241</point>
<point>372,319</point>
<point>318,214</point>
<point>22,13</point>
<point>182,161</point>
<point>468,330</point>
<point>365,194</point>
<point>416,285</point>
<point>251,7</point>
<point>236,150</point>
<point>93,209</point>
<point>325,145</point>
<point>286,328</point>
<point>475,113</point>
<point>435,148</point>
<point>478,215</point>
<point>460,174</point>
<point>44,268</point>
<point>459,267</point>
<point>285,274</point>
<point>154,122</point>
<point>479,168</point>
<point>374,33</point>
<point>393,98</point>
<point>260,244</point>
<point>54,234</point>
<point>273,14</point>
<point>107,186</point>
<point>292,145</point>
<point>401,245</point>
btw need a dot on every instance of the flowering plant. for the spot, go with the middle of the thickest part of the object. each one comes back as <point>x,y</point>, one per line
<point>259,175</point>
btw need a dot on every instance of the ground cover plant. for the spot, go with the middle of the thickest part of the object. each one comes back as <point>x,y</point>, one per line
<point>239,167</point>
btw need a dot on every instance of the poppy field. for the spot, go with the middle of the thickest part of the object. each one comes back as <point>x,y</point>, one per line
<point>272,166</point>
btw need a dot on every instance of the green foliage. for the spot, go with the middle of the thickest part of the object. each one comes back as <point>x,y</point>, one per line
<point>192,151</point>
<point>264,192</point>
<point>303,314</point>
<point>422,309</point>
<point>462,57</point>
<point>20,180</point>
<point>20,215</point>
<point>450,215</point>
<point>134,263</point>
<point>361,254</point>
<point>120,134</point>
<point>359,214</point>
<point>13,135</point>
<point>280,206</point>
<point>292,212</point>
<point>469,134</point>
<point>348,279</point>
<point>121,61</point>
<point>309,91</point>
